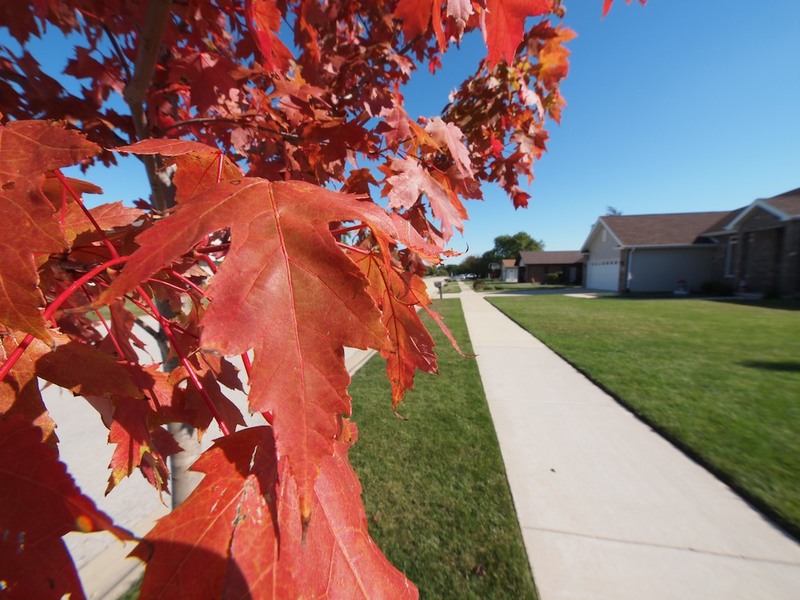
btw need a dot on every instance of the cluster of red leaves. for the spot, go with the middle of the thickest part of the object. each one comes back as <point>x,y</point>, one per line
<point>247,266</point>
<point>277,101</point>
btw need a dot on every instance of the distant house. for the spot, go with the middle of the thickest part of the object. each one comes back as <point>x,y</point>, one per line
<point>754,248</point>
<point>509,272</point>
<point>551,267</point>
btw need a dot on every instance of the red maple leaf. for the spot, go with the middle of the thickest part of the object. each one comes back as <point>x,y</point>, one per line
<point>27,228</point>
<point>447,134</point>
<point>39,503</point>
<point>399,294</point>
<point>19,391</point>
<point>86,371</point>
<point>411,180</point>
<point>237,547</point>
<point>553,58</point>
<point>139,444</point>
<point>31,147</point>
<point>107,216</point>
<point>607,5</point>
<point>296,303</point>
<point>505,25</point>
<point>27,224</point>
<point>265,21</point>
<point>339,537</point>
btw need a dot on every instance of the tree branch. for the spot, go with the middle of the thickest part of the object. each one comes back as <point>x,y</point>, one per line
<point>156,19</point>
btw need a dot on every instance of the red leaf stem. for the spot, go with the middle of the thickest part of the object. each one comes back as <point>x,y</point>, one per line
<point>353,249</point>
<point>207,259</point>
<point>219,166</point>
<point>212,249</point>
<point>167,327</point>
<point>108,329</point>
<point>165,324</point>
<point>194,379</point>
<point>342,230</point>
<point>188,282</point>
<point>247,364</point>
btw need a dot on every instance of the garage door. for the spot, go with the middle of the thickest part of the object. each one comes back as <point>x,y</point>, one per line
<point>603,275</point>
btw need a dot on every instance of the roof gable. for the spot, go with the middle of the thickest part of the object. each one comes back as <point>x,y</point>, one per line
<point>785,206</point>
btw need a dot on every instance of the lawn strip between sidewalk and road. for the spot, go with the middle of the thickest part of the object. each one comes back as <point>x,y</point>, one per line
<point>719,379</point>
<point>434,485</point>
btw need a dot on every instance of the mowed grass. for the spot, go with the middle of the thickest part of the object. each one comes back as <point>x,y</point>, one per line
<point>435,487</point>
<point>720,379</point>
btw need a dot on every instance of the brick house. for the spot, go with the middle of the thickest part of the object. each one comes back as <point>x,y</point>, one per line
<point>758,246</point>
<point>551,267</point>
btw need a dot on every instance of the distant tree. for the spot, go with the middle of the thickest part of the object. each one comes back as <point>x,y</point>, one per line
<point>613,212</point>
<point>471,264</point>
<point>508,246</point>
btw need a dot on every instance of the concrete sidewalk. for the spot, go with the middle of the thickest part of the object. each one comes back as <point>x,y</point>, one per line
<point>608,508</point>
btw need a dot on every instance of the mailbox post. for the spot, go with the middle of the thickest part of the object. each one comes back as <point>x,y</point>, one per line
<point>438,284</point>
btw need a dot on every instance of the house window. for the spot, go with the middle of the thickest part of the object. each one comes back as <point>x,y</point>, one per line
<point>731,256</point>
<point>605,235</point>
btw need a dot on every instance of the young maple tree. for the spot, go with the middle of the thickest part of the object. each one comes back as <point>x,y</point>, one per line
<point>265,237</point>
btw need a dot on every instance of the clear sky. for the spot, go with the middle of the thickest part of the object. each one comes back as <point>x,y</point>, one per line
<point>678,106</point>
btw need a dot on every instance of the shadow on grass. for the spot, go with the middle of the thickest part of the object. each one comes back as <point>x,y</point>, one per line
<point>778,303</point>
<point>788,366</point>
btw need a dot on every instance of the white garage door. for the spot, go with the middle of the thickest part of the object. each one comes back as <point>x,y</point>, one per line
<point>602,275</point>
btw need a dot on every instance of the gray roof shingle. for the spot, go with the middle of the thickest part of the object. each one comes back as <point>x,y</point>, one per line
<point>664,230</point>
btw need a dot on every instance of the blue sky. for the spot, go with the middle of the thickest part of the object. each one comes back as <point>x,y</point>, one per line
<point>678,106</point>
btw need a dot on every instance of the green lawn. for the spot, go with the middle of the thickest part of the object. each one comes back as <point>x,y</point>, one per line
<point>435,487</point>
<point>720,379</point>
<point>451,287</point>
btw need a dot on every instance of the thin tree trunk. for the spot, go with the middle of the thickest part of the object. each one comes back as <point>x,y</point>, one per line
<point>163,197</point>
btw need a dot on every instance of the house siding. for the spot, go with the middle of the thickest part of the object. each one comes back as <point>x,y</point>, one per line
<point>569,274</point>
<point>767,256</point>
<point>761,237</point>
<point>790,275</point>
<point>603,257</point>
<point>659,270</point>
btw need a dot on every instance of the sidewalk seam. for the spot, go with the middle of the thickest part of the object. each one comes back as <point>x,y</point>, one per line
<point>663,546</point>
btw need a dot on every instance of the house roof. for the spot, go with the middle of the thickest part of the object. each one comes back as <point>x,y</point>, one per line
<point>509,262</point>
<point>787,203</point>
<point>677,229</point>
<point>723,225</point>
<point>784,206</point>
<point>561,257</point>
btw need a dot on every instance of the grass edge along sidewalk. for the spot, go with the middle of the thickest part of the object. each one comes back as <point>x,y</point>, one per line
<point>718,379</point>
<point>435,486</point>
